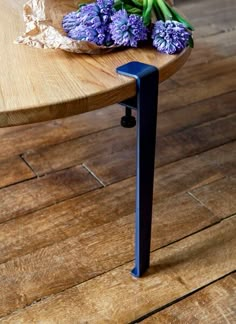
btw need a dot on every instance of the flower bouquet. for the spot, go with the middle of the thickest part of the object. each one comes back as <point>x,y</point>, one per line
<point>104,25</point>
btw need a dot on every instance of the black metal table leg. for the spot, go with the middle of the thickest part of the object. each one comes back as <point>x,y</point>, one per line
<point>146,104</point>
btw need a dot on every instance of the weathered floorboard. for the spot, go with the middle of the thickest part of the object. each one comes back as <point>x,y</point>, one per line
<point>72,217</point>
<point>181,96</point>
<point>210,254</point>
<point>34,194</point>
<point>13,170</point>
<point>213,304</point>
<point>53,132</point>
<point>224,157</point>
<point>203,72</point>
<point>89,250</point>
<point>219,196</point>
<point>209,18</point>
<point>195,114</point>
<point>170,148</point>
<point>208,49</point>
<point>117,145</point>
<point>78,150</point>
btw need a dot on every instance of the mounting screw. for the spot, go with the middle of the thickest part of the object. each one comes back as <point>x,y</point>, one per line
<point>128,121</point>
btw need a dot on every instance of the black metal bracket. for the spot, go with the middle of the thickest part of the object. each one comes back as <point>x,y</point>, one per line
<point>145,101</point>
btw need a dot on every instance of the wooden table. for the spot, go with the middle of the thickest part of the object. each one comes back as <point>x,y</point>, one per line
<point>38,85</point>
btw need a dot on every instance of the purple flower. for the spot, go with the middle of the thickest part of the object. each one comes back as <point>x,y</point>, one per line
<point>91,22</point>
<point>127,30</point>
<point>70,21</point>
<point>88,16</point>
<point>106,9</point>
<point>170,37</point>
<point>89,34</point>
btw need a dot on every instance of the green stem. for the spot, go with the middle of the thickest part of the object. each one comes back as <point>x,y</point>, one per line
<point>147,10</point>
<point>164,9</point>
<point>158,12</point>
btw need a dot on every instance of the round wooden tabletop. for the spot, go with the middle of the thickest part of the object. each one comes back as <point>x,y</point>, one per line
<point>38,84</point>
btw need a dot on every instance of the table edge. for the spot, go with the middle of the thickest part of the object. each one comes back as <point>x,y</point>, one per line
<point>29,115</point>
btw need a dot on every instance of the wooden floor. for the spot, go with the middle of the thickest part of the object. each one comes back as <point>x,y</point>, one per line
<point>67,202</point>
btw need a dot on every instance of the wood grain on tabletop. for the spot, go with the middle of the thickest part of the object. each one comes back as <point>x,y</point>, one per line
<point>213,304</point>
<point>209,253</point>
<point>41,84</point>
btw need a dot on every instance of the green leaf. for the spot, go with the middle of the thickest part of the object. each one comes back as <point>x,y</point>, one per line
<point>133,10</point>
<point>179,18</point>
<point>138,3</point>
<point>191,42</point>
<point>118,5</point>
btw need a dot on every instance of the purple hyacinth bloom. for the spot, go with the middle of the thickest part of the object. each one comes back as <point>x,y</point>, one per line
<point>126,29</point>
<point>70,21</point>
<point>91,22</point>
<point>106,9</point>
<point>89,34</point>
<point>170,37</point>
<point>88,15</point>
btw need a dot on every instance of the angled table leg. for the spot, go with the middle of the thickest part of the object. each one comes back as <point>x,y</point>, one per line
<point>146,104</point>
